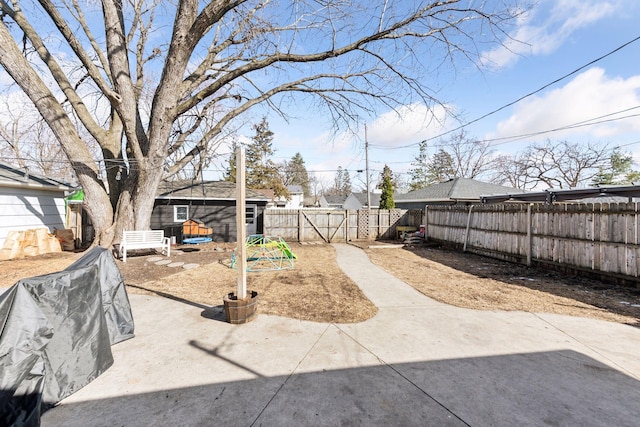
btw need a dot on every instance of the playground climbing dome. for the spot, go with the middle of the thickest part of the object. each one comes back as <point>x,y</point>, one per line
<point>266,254</point>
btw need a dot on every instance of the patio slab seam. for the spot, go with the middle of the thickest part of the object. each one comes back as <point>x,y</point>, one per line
<point>290,375</point>
<point>401,375</point>
<point>591,348</point>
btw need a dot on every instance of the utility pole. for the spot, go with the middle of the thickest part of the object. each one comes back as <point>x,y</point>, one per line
<point>366,156</point>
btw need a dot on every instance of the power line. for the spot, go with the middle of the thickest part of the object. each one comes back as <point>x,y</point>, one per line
<point>133,164</point>
<point>588,122</point>
<point>584,123</point>
<point>484,116</point>
<point>187,168</point>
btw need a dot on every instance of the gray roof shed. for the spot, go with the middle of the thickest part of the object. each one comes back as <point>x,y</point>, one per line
<point>205,190</point>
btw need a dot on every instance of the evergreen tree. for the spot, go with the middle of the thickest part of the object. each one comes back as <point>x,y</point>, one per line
<point>346,183</point>
<point>337,182</point>
<point>619,172</point>
<point>418,174</point>
<point>387,186</point>
<point>262,172</point>
<point>295,173</point>
<point>230,173</point>
<point>440,167</point>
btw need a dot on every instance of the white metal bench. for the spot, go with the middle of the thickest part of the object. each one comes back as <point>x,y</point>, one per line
<point>147,239</point>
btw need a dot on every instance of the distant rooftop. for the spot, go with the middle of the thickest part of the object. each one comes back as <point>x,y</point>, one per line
<point>460,189</point>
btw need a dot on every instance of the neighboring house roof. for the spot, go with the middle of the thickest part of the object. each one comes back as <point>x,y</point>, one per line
<point>295,189</point>
<point>267,192</point>
<point>351,203</point>
<point>205,190</point>
<point>335,199</point>
<point>21,178</point>
<point>362,198</point>
<point>455,190</point>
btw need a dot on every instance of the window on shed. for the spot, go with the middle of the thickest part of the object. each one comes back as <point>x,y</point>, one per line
<point>180,213</point>
<point>250,214</point>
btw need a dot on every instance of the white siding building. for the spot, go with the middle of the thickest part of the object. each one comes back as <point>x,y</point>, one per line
<point>30,201</point>
<point>295,202</point>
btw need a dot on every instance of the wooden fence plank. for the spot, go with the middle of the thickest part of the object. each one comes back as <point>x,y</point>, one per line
<point>602,237</point>
<point>336,224</point>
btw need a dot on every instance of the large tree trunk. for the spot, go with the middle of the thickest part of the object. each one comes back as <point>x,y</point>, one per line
<point>134,206</point>
<point>97,200</point>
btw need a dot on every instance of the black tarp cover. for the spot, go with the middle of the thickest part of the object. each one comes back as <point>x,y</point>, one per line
<point>56,333</point>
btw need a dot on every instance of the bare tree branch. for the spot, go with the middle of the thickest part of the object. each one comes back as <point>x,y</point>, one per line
<point>554,165</point>
<point>171,104</point>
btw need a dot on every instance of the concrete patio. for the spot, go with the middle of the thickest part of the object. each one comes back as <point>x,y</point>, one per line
<point>417,362</point>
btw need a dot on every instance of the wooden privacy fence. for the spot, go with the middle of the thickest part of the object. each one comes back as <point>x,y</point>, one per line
<point>332,225</point>
<point>604,238</point>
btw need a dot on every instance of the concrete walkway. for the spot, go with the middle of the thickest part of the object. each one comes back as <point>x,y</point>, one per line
<point>417,362</point>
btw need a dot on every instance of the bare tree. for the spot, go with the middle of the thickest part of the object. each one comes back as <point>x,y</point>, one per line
<point>27,142</point>
<point>511,170</point>
<point>458,156</point>
<point>144,97</point>
<point>14,136</point>
<point>319,187</point>
<point>554,165</point>
<point>564,164</point>
<point>470,158</point>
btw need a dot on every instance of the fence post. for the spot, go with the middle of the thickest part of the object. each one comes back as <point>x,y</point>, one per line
<point>426,222</point>
<point>300,226</point>
<point>346,225</point>
<point>466,235</point>
<point>529,236</point>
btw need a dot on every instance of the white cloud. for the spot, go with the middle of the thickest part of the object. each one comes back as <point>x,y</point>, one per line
<point>323,151</point>
<point>405,126</point>
<point>588,96</point>
<point>408,125</point>
<point>536,34</point>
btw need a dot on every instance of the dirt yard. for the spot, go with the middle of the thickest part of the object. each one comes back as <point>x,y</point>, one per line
<point>477,282</point>
<point>316,289</point>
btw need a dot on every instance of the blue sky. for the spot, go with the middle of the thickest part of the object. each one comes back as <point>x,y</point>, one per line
<point>555,38</point>
<point>558,37</point>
